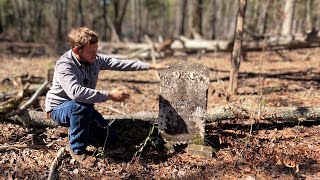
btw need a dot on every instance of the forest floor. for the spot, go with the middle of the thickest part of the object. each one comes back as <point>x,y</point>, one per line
<point>240,151</point>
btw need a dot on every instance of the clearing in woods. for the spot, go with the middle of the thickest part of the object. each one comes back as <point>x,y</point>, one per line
<point>245,151</point>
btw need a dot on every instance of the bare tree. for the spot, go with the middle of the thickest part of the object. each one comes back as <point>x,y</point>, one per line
<point>105,20</point>
<point>120,7</point>
<point>213,19</point>
<point>164,18</point>
<point>237,48</point>
<point>189,22</point>
<point>197,18</point>
<point>1,23</point>
<point>59,15</point>
<point>80,11</point>
<point>138,6</point>
<point>183,8</point>
<point>308,23</point>
<point>263,18</point>
<point>288,17</point>
<point>19,16</point>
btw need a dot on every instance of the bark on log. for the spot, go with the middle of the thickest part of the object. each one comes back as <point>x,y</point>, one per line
<point>272,114</point>
<point>38,118</point>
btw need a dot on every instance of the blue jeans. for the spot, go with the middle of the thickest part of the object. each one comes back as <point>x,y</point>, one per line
<point>86,125</point>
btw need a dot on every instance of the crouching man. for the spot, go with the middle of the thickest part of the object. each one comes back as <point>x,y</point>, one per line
<point>70,100</point>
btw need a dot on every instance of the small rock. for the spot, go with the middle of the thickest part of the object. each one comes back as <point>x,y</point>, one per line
<point>75,171</point>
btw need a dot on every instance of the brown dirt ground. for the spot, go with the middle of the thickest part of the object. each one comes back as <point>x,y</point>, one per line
<point>268,151</point>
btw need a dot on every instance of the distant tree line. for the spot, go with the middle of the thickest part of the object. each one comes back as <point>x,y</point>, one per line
<point>48,21</point>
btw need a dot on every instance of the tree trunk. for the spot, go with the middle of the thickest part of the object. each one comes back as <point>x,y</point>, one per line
<point>18,14</point>
<point>39,19</point>
<point>289,8</point>
<point>183,17</point>
<point>189,27</point>
<point>59,10</point>
<point>308,23</point>
<point>165,22</point>
<point>80,11</point>
<point>65,23</point>
<point>263,18</point>
<point>105,21</point>
<point>1,21</point>
<point>114,35</point>
<point>197,18</point>
<point>119,13</point>
<point>139,20</point>
<point>178,18</point>
<point>213,19</point>
<point>237,48</point>
<point>133,23</point>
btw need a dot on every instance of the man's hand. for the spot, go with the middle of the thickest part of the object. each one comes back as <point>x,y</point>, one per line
<point>159,66</point>
<point>118,95</point>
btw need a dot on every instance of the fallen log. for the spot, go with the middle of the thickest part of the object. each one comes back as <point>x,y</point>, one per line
<point>183,44</point>
<point>217,114</point>
<point>4,148</point>
<point>186,44</point>
<point>273,114</point>
<point>38,118</point>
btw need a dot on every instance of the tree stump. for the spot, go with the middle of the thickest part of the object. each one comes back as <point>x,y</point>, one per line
<point>183,103</point>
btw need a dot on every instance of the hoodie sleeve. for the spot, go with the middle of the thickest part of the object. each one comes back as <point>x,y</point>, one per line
<point>121,64</point>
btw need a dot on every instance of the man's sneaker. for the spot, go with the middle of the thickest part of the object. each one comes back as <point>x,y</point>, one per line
<point>83,159</point>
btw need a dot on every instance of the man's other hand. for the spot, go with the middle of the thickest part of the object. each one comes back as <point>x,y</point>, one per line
<point>118,95</point>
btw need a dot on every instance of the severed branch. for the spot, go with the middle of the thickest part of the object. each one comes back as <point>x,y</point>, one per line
<point>55,162</point>
<point>21,111</point>
<point>12,110</point>
<point>116,110</point>
<point>12,104</point>
<point>34,96</point>
<point>21,146</point>
<point>4,148</point>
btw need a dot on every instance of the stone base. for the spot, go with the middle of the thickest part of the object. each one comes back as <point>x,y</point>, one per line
<point>200,150</point>
<point>194,149</point>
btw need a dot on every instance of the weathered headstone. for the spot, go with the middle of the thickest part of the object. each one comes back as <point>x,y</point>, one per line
<point>183,103</point>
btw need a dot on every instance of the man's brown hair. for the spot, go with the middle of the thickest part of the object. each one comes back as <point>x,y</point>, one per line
<point>79,37</point>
